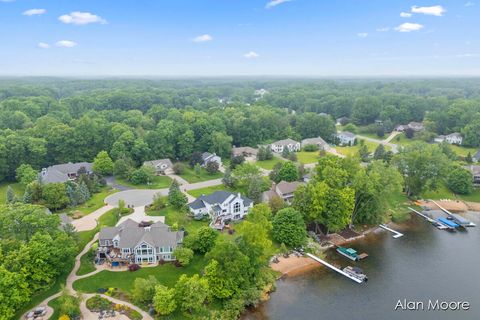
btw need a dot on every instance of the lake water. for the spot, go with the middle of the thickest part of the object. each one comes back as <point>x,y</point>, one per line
<point>426,263</point>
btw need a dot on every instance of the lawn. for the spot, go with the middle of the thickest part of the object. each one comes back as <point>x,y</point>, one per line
<point>463,151</point>
<point>18,189</point>
<point>87,263</point>
<point>94,203</point>
<point>159,182</point>
<point>207,190</point>
<point>398,204</point>
<point>55,304</point>
<point>269,164</point>
<point>190,175</point>
<point>444,193</point>
<point>180,218</point>
<point>305,157</point>
<point>166,274</point>
<point>353,150</point>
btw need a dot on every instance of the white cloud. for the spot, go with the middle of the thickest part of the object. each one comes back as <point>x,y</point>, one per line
<point>34,12</point>
<point>81,18</point>
<point>384,29</point>
<point>43,45</point>
<point>362,34</point>
<point>65,44</point>
<point>405,14</point>
<point>431,11</point>
<point>409,27</point>
<point>469,4</point>
<point>275,3</point>
<point>203,38</point>
<point>251,55</point>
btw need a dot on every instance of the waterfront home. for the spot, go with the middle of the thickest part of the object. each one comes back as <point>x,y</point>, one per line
<point>319,142</point>
<point>221,206</point>
<point>133,242</point>
<point>290,144</point>
<point>65,172</point>
<point>210,157</point>
<point>161,166</point>
<point>283,189</point>
<point>345,138</point>
<point>475,171</point>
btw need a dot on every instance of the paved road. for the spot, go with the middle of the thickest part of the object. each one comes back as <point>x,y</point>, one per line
<point>89,221</point>
<point>393,146</point>
<point>134,197</point>
<point>139,215</point>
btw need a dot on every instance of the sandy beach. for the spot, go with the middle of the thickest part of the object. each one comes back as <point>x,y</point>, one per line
<point>294,265</point>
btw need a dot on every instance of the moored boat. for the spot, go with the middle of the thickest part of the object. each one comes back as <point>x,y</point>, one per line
<point>356,272</point>
<point>349,253</point>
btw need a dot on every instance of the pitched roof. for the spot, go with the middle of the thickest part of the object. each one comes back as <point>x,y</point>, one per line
<point>317,140</point>
<point>454,134</point>
<point>214,198</point>
<point>288,187</point>
<point>206,155</point>
<point>244,150</point>
<point>59,172</point>
<point>159,163</point>
<point>285,142</point>
<point>131,234</point>
<point>346,134</point>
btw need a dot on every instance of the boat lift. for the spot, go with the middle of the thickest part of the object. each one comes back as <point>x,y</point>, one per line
<point>328,265</point>
<point>396,234</point>
<point>459,220</point>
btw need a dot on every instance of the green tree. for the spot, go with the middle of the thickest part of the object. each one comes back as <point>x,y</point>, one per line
<point>122,168</point>
<point>144,289</point>
<point>25,174</point>
<point>289,228</point>
<point>164,300</point>
<point>14,292</point>
<point>103,164</point>
<point>55,196</point>
<point>288,172</point>
<point>363,152</point>
<point>204,240</point>
<point>460,180</point>
<point>379,153</point>
<point>183,255</point>
<point>212,167</point>
<point>10,195</point>
<point>422,166</point>
<point>255,189</point>
<point>175,197</point>
<point>191,293</point>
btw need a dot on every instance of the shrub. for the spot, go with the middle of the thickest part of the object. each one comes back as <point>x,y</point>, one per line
<point>310,148</point>
<point>183,255</point>
<point>178,168</point>
<point>133,267</point>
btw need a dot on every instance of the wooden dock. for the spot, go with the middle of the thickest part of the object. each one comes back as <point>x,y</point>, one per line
<point>328,265</point>
<point>396,234</point>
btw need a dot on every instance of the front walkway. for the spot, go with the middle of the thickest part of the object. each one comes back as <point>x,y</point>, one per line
<point>139,215</point>
<point>89,222</point>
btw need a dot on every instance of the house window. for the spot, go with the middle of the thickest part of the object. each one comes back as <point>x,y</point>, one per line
<point>115,243</point>
<point>236,207</point>
<point>236,217</point>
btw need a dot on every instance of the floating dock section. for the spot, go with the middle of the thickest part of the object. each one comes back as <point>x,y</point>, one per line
<point>328,265</point>
<point>422,215</point>
<point>396,234</point>
<point>448,223</point>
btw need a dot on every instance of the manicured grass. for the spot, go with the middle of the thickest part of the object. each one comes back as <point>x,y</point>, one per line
<point>18,189</point>
<point>190,175</point>
<point>444,193</point>
<point>269,164</point>
<point>398,207</point>
<point>353,150</point>
<point>55,304</point>
<point>198,192</point>
<point>167,275</point>
<point>308,157</point>
<point>402,140</point>
<point>158,182</point>
<point>463,151</point>
<point>182,219</point>
<point>87,264</point>
<point>94,203</point>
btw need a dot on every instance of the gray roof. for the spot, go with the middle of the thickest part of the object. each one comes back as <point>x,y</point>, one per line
<point>131,234</point>
<point>216,198</point>
<point>206,155</point>
<point>284,142</point>
<point>346,134</point>
<point>244,151</point>
<point>60,172</point>
<point>288,187</point>
<point>455,134</point>
<point>316,141</point>
<point>159,163</point>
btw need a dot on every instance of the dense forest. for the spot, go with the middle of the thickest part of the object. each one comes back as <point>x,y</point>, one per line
<point>44,121</point>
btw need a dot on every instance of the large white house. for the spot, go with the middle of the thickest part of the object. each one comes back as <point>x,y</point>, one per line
<point>290,144</point>
<point>345,138</point>
<point>133,242</point>
<point>221,207</point>
<point>452,138</point>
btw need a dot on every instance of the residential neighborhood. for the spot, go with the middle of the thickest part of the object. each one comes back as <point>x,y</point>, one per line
<point>64,172</point>
<point>289,144</point>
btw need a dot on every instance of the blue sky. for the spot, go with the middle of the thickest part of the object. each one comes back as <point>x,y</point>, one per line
<point>239,37</point>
